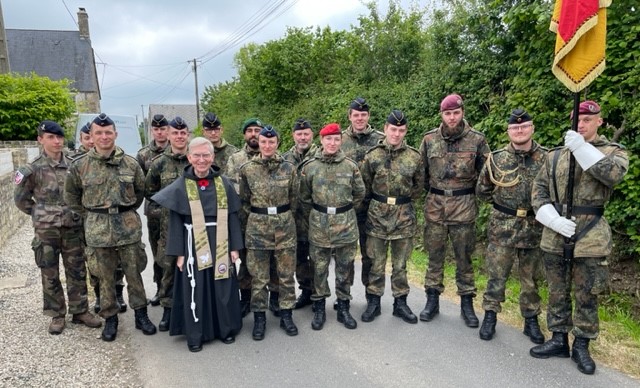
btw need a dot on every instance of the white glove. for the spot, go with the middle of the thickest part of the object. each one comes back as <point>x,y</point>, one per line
<point>586,154</point>
<point>549,217</point>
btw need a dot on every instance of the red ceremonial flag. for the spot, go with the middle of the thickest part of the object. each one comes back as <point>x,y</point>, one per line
<point>581,30</point>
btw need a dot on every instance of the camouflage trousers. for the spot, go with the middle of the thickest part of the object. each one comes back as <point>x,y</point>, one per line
<point>103,263</point>
<point>244,276</point>
<point>153,227</point>
<point>48,245</point>
<point>589,276</point>
<point>304,270</point>
<point>463,239</point>
<point>167,264</point>
<point>377,249</point>
<point>498,262</point>
<point>320,259</point>
<point>366,260</point>
<point>259,263</point>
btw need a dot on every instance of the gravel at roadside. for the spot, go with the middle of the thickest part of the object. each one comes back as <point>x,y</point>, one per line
<point>31,357</point>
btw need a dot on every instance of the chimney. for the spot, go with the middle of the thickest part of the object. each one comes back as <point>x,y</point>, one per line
<point>83,24</point>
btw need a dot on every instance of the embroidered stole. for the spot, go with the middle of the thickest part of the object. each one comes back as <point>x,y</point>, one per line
<point>200,237</point>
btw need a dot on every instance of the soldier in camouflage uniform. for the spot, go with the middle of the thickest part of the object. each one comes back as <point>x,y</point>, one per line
<point>39,193</point>
<point>393,176</point>
<point>106,186</point>
<point>165,169</point>
<point>452,155</point>
<point>600,165</point>
<point>159,132</point>
<point>331,191</point>
<point>357,139</point>
<point>268,191</point>
<point>86,143</point>
<point>302,150</point>
<point>212,130</point>
<point>513,233</point>
<point>251,129</point>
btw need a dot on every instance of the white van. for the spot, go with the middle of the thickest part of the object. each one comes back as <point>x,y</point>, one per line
<point>128,136</point>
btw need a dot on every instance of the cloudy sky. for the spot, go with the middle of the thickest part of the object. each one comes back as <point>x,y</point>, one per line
<point>143,47</point>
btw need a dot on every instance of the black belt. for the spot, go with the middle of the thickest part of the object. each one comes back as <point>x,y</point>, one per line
<point>333,210</point>
<point>391,200</point>
<point>514,212</point>
<point>452,193</point>
<point>580,210</point>
<point>112,210</point>
<point>271,210</point>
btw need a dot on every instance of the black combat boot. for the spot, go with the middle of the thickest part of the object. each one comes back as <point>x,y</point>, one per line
<point>532,330</point>
<point>166,319</point>
<point>304,299</point>
<point>274,304</point>
<point>557,346</point>
<point>432,307</point>
<point>286,322</point>
<point>402,310</point>
<point>319,315</point>
<point>580,355</point>
<point>155,301</point>
<point>110,328</point>
<point>466,311</point>
<point>245,302</point>
<point>488,328</point>
<point>96,306</point>
<point>143,322</point>
<point>120,299</point>
<point>344,316</point>
<point>373,308</point>
<point>259,325</point>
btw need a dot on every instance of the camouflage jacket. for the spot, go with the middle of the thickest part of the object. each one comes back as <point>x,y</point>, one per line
<point>452,163</point>
<point>268,183</point>
<point>392,173</point>
<point>514,171</point>
<point>39,191</point>
<point>356,145</point>
<point>79,152</point>
<point>293,156</point>
<point>223,153</point>
<point>591,188</point>
<point>147,153</point>
<point>97,182</point>
<point>334,181</point>
<point>164,169</point>
<point>236,161</point>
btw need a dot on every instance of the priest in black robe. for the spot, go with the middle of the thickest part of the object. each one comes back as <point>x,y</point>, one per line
<point>206,301</point>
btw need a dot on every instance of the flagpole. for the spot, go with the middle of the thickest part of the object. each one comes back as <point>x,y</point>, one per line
<point>569,244</point>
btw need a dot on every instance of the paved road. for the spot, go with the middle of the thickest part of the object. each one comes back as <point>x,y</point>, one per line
<point>384,353</point>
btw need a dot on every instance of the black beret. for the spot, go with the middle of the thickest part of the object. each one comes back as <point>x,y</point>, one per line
<point>86,128</point>
<point>103,120</point>
<point>397,118</point>
<point>211,120</point>
<point>268,131</point>
<point>178,123</point>
<point>301,124</point>
<point>359,104</point>
<point>50,127</point>
<point>518,116</point>
<point>159,121</point>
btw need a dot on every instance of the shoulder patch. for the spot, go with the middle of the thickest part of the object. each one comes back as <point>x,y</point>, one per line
<point>21,173</point>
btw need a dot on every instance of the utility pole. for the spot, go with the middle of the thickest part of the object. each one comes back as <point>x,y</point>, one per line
<point>195,73</point>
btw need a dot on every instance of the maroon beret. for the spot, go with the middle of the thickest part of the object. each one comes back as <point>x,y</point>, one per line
<point>452,101</point>
<point>330,129</point>
<point>587,108</point>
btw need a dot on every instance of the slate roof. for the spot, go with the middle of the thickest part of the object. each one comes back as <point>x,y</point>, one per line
<point>55,54</point>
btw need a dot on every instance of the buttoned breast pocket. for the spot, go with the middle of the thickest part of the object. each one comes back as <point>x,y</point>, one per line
<point>93,188</point>
<point>167,177</point>
<point>463,163</point>
<point>127,189</point>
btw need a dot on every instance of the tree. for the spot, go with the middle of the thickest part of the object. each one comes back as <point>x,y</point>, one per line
<point>27,100</point>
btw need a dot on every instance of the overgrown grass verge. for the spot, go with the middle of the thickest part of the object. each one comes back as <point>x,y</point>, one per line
<point>618,345</point>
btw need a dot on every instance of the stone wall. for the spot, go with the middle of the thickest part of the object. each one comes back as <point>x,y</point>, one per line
<point>13,154</point>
